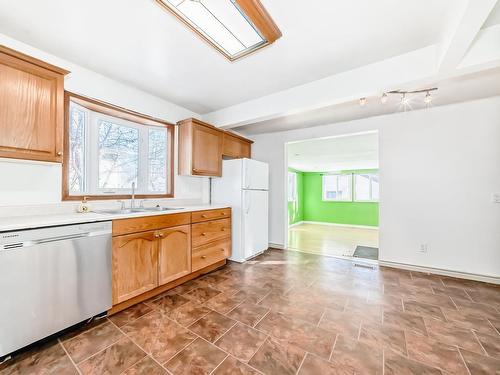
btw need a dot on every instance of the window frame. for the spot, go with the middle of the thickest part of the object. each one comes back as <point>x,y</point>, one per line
<point>371,200</point>
<point>323,197</point>
<point>128,116</point>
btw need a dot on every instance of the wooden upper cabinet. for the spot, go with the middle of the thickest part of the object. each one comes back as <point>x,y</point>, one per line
<point>31,107</point>
<point>135,265</point>
<point>200,149</point>
<point>236,146</point>
<point>174,248</point>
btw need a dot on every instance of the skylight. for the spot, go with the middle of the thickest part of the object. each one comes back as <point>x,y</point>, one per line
<point>225,25</point>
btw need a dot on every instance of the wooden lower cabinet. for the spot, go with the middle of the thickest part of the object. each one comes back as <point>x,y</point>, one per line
<point>166,251</point>
<point>135,265</point>
<point>174,249</point>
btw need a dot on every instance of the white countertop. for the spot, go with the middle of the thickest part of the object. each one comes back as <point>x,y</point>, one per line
<point>49,220</point>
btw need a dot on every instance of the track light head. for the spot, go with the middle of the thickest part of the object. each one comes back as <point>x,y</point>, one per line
<point>384,98</point>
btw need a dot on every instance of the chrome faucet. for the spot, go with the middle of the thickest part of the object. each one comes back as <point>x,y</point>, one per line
<point>132,201</point>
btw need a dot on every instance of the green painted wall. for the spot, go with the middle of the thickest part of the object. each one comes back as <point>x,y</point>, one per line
<point>311,207</point>
<point>296,209</point>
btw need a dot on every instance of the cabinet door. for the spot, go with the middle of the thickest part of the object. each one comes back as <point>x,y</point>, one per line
<point>31,110</point>
<point>235,147</point>
<point>175,253</point>
<point>207,151</point>
<point>135,265</point>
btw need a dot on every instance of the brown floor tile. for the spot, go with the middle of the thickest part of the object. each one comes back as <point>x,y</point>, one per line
<point>212,326</point>
<point>277,358</point>
<point>431,299</point>
<point>424,309</point>
<point>479,364</point>
<point>352,356</point>
<point>383,336</point>
<point>450,291</point>
<point>452,334</point>
<point>188,313</point>
<point>406,321</point>
<point>46,359</point>
<point>223,303</point>
<point>202,294</point>
<point>248,313</point>
<point>90,342</point>
<point>146,366</point>
<point>159,336</point>
<point>232,366</point>
<point>496,324</point>
<point>341,323</point>
<point>170,302</point>
<point>314,365</point>
<point>476,323</point>
<point>113,360</point>
<point>130,314</point>
<point>490,343</point>
<point>435,353</point>
<point>477,309</point>
<point>252,296</point>
<point>303,311</point>
<point>200,357</point>
<point>395,364</point>
<point>367,312</point>
<point>241,341</point>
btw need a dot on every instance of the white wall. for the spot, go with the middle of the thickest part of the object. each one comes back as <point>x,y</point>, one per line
<point>39,183</point>
<point>438,169</point>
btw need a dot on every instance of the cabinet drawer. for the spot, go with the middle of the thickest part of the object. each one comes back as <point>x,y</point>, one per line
<point>209,254</point>
<point>210,230</point>
<point>200,216</point>
<point>141,224</point>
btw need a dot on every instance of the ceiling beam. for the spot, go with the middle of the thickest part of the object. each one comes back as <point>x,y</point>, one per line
<point>463,33</point>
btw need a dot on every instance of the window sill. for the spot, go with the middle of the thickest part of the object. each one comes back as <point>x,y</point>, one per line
<point>114,197</point>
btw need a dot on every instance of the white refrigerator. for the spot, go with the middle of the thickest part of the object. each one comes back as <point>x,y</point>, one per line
<point>244,186</point>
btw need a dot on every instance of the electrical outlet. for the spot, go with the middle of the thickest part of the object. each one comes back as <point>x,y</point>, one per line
<point>495,197</point>
<point>423,248</point>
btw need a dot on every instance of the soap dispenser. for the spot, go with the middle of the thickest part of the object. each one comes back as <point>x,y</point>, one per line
<point>84,207</point>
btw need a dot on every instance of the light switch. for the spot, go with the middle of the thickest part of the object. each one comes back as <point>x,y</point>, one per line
<point>495,197</point>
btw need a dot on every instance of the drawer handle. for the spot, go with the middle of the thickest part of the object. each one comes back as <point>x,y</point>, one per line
<point>203,257</point>
<point>204,216</point>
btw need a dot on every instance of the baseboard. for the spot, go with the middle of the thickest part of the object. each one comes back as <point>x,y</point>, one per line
<point>442,272</point>
<point>276,246</point>
<point>295,224</point>
<point>339,225</point>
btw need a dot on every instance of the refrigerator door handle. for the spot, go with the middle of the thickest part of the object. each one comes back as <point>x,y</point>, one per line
<point>247,176</point>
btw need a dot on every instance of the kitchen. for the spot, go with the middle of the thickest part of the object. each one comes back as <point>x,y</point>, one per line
<point>143,197</point>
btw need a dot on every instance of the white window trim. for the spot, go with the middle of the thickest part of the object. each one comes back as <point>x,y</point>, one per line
<point>371,174</point>
<point>91,160</point>
<point>323,195</point>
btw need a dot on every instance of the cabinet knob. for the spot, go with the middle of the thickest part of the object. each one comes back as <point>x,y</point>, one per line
<point>222,250</point>
<point>203,234</point>
<point>203,216</point>
<point>203,257</point>
<point>59,153</point>
<point>160,235</point>
<point>223,229</point>
<point>223,214</point>
<point>157,236</point>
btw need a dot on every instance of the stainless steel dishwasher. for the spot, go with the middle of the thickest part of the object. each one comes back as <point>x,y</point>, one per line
<point>50,279</point>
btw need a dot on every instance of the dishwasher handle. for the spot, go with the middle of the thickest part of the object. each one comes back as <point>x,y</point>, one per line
<point>40,241</point>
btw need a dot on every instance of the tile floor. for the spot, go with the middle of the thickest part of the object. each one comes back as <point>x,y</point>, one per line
<point>330,239</point>
<point>290,313</point>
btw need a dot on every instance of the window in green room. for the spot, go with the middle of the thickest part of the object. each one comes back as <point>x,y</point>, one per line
<point>337,187</point>
<point>366,187</point>
<point>292,186</point>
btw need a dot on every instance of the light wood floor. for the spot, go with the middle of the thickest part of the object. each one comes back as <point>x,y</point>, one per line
<point>329,239</point>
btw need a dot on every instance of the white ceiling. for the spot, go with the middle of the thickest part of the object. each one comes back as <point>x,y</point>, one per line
<point>494,17</point>
<point>454,90</point>
<point>359,151</point>
<point>136,42</point>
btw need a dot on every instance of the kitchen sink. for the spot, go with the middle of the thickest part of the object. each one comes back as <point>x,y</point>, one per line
<point>118,211</point>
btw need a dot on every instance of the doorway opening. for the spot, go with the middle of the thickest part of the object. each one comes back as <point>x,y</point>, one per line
<point>333,196</point>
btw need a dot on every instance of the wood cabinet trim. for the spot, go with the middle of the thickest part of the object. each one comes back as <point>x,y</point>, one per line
<point>32,60</point>
<point>147,223</point>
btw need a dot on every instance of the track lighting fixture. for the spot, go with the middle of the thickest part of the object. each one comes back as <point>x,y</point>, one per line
<point>428,98</point>
<point>406,96</point>
<point>384,98</point>
<point>362,102</point>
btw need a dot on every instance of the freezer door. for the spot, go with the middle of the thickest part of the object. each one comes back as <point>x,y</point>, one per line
<point>255,222</point>
<point>255,175</point>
